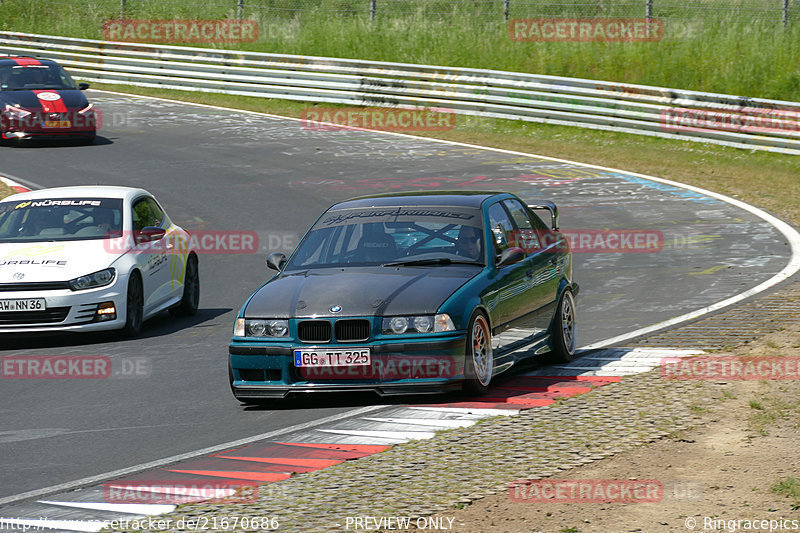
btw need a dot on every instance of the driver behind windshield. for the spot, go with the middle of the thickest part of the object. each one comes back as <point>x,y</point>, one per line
<point>468,243</point>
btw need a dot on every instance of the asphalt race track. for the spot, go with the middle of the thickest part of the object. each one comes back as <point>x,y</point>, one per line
<point>218,170</point>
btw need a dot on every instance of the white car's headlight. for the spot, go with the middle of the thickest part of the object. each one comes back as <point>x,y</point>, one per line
<point>261,327</point>
<point>92,281</point>
<point>397,325</point>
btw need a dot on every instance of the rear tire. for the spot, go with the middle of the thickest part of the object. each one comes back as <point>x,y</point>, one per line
<point>190,300</point>
<point>479,360</point>
<point>563,334</point>
<point>134,306</point>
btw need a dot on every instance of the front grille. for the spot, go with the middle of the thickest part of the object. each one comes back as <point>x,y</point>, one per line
<point>314,331</point>
<point>34,286</point>
<point>22,318</point>
<point>352,330</point>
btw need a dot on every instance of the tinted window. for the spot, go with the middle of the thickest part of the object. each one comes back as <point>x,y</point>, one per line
<point>60,219</point>
<point>526,237</point>
<point>501,227</point>
<point>381,235</point>
<point>28,77</point>
<point>146,212</point>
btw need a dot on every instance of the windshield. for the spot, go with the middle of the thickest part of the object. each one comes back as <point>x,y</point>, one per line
<point>30,77</point>
<point>60,219</point>
<point>387,236</point>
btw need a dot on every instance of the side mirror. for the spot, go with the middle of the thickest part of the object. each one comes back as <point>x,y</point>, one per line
<point>276,260</point>
<point>549,206</point>
<point>150,234</point>
<point>509,256</point>
<point>83,86</point>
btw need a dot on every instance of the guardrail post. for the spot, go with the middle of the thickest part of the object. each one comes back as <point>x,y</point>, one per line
<point>506,9</point>
<point>239,9</point>
<point>785,13</point>
<point>373,7</point>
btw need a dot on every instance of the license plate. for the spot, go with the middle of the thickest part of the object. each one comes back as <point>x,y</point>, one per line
<point>22,304</point>
<point>57,124</point>
<point>350,357</point>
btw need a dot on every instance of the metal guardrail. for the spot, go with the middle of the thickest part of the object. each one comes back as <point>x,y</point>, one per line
<point>751,123</point>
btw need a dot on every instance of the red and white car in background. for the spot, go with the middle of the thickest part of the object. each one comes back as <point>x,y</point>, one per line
<point>38,99</point>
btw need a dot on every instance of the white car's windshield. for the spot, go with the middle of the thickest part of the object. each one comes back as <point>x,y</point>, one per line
<point>392,236</point>
<point>60,219</point>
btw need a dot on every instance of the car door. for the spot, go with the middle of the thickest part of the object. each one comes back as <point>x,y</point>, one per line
<point>153,258</point>
<point>506,297</point>
<point>541,267</point>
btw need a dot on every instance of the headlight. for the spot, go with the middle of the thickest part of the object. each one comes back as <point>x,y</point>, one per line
<point>92,281</point>
<point>397,325</point>
<point>261,327</point>
<point>16,112</point>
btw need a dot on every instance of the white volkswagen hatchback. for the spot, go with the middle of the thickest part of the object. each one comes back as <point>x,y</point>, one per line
<point>91,258</point>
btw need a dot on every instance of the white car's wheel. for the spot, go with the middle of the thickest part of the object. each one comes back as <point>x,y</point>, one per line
<point>191,290</point>
<point>134,306</point>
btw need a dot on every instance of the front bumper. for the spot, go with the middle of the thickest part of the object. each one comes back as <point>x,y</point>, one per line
<point>48,134</point>
<point>33,127</point>
<point>66,310</point>
<point>266,370</point>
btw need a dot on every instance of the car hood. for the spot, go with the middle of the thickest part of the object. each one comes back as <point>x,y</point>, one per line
<point>71,98</point>
<point>365,291</point>
<point>53,261</point>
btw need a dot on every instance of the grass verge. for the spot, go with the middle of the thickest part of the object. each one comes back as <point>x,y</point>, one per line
<point>749,53</point>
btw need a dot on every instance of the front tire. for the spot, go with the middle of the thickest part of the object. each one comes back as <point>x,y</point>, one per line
<point>563,334</point>
<point>190,300</point>
<point>479,363</point>
<point>134,306</point>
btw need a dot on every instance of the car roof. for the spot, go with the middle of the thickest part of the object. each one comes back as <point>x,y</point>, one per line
<point>81,191</point>
<point>12,60</point>
<point>472,199</point>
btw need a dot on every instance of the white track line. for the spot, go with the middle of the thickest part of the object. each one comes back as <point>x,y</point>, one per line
<point>143,509</point>
<point>399,436</point>
<point>425,422</point>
